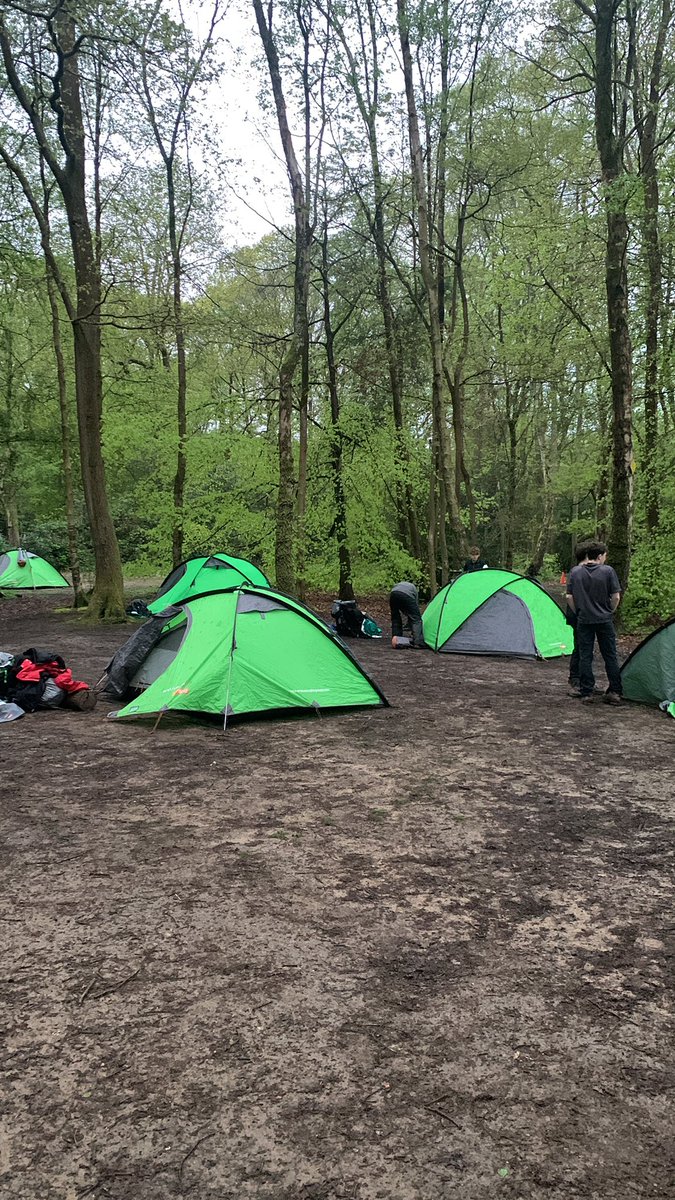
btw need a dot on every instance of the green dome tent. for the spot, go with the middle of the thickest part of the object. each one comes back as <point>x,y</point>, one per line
<point>243,650</point>
<point>21,570</point>
<point>205,573</point>
<point>496,612</point>
<point>648,674</point>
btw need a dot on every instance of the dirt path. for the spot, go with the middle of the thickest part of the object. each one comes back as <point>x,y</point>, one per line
<point>406,954</point>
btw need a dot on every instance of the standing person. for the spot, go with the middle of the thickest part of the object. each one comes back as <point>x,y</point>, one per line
<point>405,609</point>
<point>581,556</point>
<point>474,562</point>
<point>593,594</point>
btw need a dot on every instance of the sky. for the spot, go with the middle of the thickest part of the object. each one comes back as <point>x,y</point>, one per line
<point>256,195</point>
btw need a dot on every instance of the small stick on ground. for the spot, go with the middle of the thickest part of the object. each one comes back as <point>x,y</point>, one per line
<point>115,987</point>
<point>87,990</point>
<point>191,1152</point>
<point>441,1113</point>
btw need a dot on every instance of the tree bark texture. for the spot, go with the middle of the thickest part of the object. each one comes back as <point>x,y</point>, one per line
<point>79,598</point>
<point>610,150</point>
<point>107,599</point>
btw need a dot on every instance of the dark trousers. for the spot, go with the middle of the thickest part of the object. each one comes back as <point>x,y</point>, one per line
<point>405,610</point>
<point>586,635</point>
<point>571,619</point>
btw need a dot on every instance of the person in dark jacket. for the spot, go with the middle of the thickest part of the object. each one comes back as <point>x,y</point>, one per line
<point>593,594</point>
<point>474,562</point>
<point>405,611</point>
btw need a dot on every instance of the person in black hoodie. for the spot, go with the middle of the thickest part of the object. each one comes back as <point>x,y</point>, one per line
<point>593,594</point>
<point>474,562</point>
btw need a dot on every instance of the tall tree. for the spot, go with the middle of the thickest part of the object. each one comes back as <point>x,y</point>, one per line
<point>611,98</point>
<point>171,65</point>
<point>649,89</point>
<point>66,158</point>
<point>431,291</point>
<point>284,542</point>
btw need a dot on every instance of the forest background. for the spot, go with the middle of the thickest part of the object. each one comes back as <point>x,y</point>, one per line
<point>462,332</point>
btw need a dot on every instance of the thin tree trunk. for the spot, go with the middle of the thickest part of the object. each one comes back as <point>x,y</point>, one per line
<point>610,149</point>
<point>8,482</point>
<point>177,534</point>
<point>284,542</point>
<point>346,589</point>
<point>79,598</point>
<point>429,280</point>
<point>646,111</point>
<point>368,100</point>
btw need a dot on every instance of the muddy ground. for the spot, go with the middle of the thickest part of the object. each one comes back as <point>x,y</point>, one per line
<point>406,954</point>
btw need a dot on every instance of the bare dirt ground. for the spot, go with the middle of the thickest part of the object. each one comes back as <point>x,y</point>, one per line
<point>406,954</point>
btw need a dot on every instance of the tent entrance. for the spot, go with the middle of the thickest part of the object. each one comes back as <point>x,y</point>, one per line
<point>502,625</point>
<point>160,657</point>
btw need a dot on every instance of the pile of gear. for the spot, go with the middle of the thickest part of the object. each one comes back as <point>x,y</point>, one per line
<point>351,621</point>
<point>39,679</point>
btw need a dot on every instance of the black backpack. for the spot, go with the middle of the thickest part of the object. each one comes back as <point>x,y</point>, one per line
<point>348,618</point>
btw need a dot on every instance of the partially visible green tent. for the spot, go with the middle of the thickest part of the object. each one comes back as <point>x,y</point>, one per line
<point>496,612</point>
<point>205,573</point>
<point>648,674</point>
<point>21,570</point>
<point>243,650</point>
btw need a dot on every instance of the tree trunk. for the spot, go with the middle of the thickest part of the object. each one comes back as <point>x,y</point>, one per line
<point>430,282</point>
<point>79,598</point>
<point>177,533</point>
<point>346,589</point>
<point>646,110</point>
<point>284,541</point>
<point>610,150</point>
<point>107,599</point>
<point>8,480</point>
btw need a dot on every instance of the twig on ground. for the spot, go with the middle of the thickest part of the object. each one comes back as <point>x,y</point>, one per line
<point>441,1113</point>
<point>191,1152</point>
<point>115,987</point>
<point>87,990</point>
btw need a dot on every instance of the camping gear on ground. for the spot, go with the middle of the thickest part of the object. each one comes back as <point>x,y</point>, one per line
<point>496,612</point>
<point>351,621</point>
<point>401,643</point>
<point>52,694</point>
<point>22,570</point>
<point>138,609</point>
<point>648,674</point>
<point>10,711</point>
<point>40,679</point>
<point>238,651</point>
<point>370,628</point>
<point>205,573</point>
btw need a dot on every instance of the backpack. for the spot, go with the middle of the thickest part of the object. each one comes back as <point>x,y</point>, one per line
<point>351,621</point>
<point>348,618</point>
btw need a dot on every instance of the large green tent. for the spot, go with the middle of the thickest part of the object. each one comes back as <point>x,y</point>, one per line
<point>243,650</point>
<point>21,570</point>
<point>648,674</point>
<point>205,573</point>
<point>496,612</point>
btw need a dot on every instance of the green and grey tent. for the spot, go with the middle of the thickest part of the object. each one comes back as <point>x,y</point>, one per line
<point>234,652</point>
<point>19,569</point>
<point>205,573</point>
<point>496,612</point>
<point>648,674</point>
